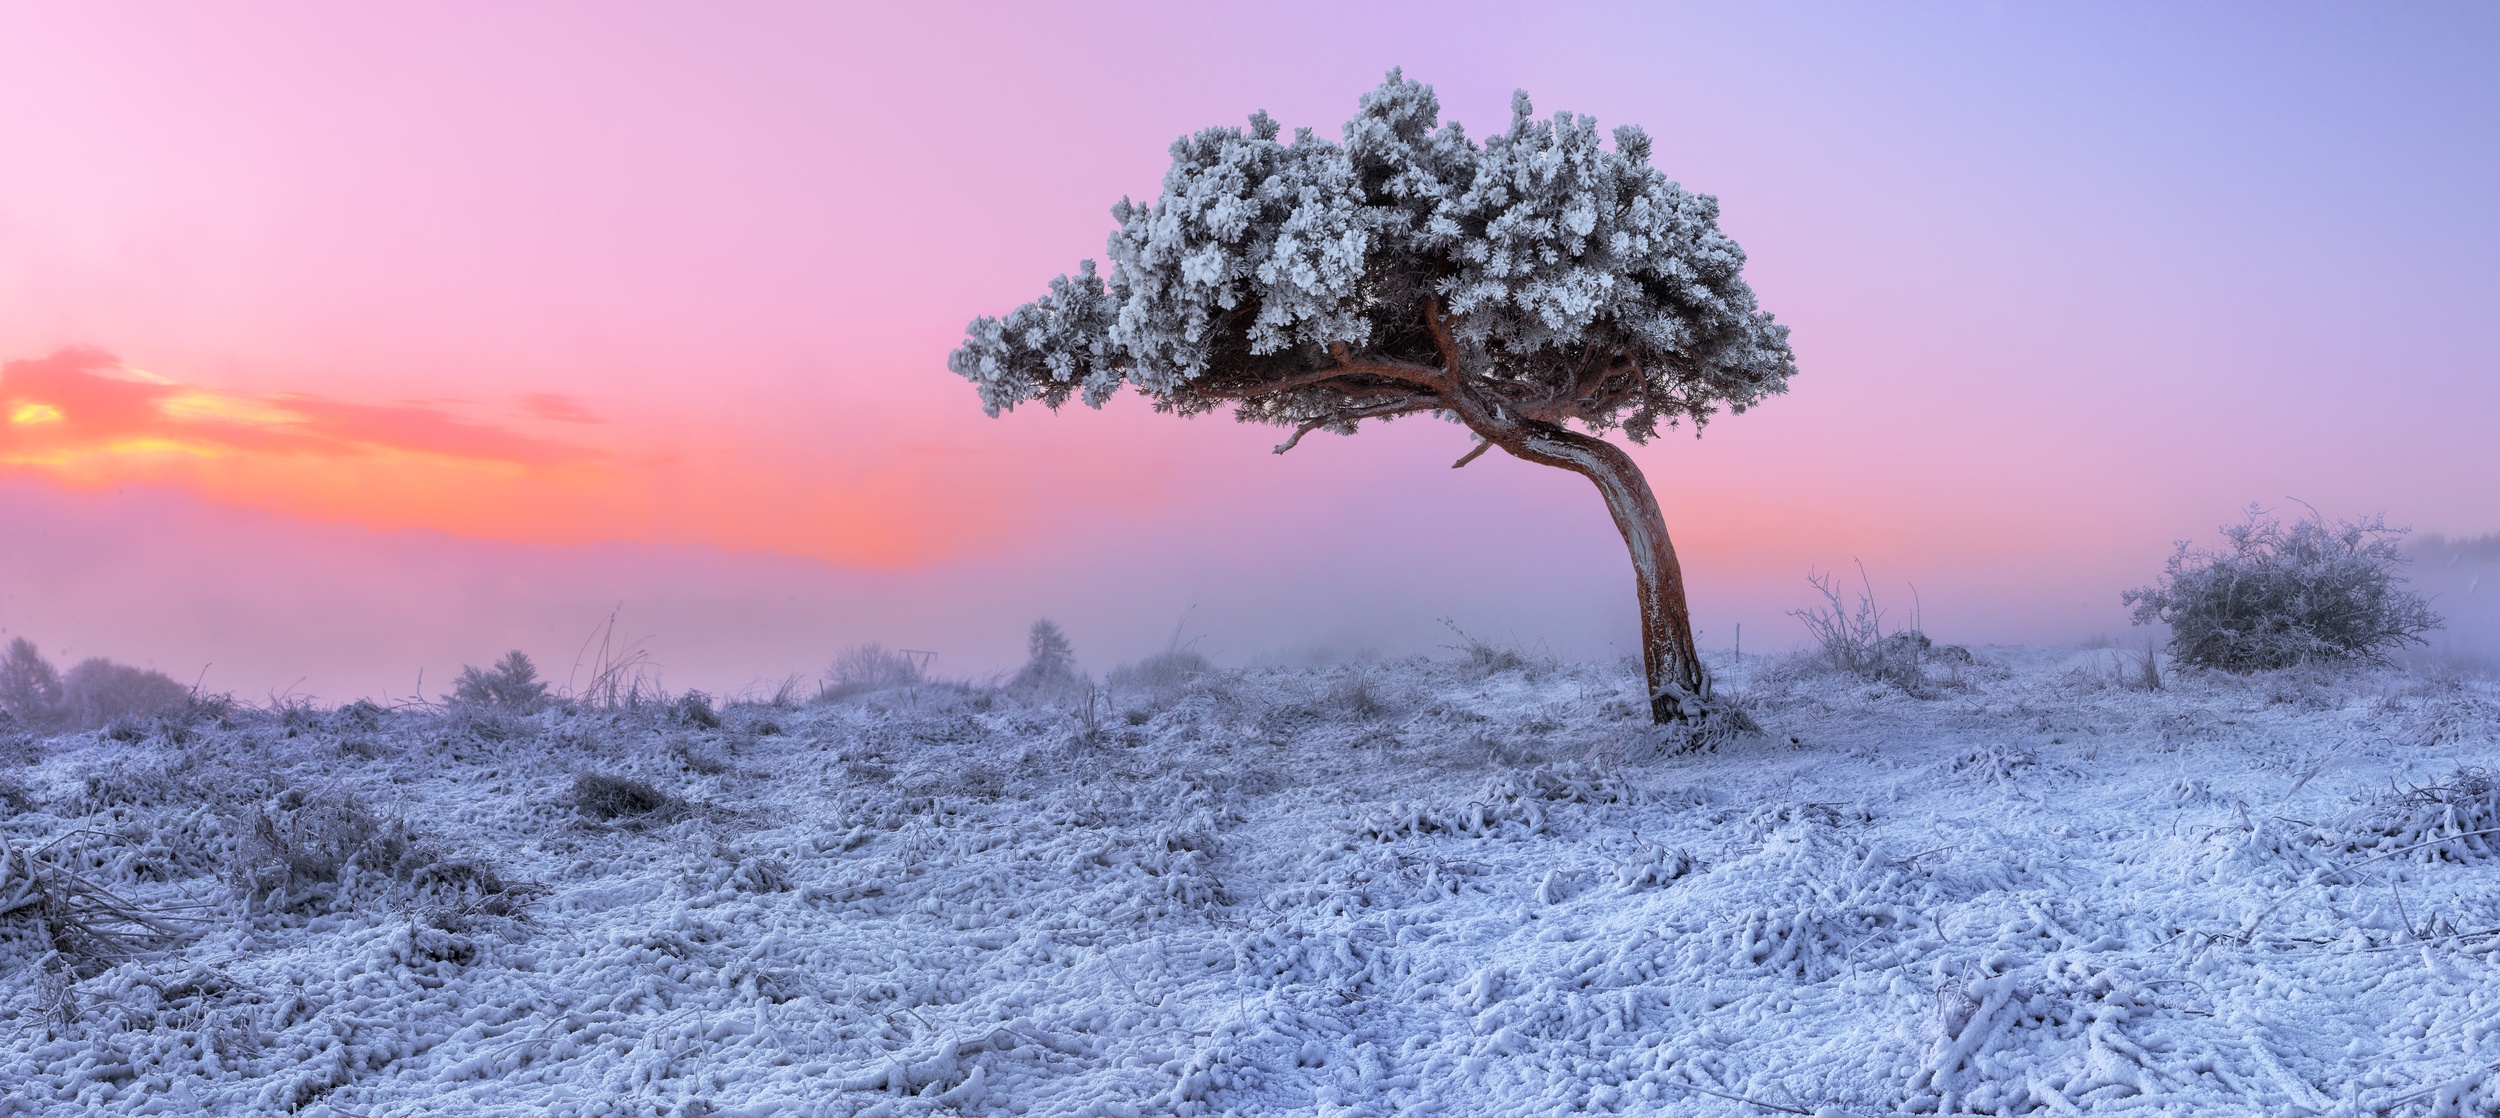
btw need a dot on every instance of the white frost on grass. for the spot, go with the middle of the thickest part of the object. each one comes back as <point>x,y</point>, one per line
<point>1414,891</point>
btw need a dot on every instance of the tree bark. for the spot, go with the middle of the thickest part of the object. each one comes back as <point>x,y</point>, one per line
<point>1669,658</point>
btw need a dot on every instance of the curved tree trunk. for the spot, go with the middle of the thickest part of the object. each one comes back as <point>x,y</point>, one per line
<point>1669,657</point>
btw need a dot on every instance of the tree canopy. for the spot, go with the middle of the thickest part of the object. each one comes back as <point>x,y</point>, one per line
<point>1541,276</point>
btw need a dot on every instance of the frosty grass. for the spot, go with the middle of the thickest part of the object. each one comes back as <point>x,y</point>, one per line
<point>2033,891</point>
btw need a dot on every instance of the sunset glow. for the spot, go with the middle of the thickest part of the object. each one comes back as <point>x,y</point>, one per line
<point>577,283</point>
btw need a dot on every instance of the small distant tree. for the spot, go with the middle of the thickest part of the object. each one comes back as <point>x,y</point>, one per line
<point>1516,287</point>
<point>30,688</point>
<point>1050,660</point>
<point>512,684</point>
<point>2275,595</point>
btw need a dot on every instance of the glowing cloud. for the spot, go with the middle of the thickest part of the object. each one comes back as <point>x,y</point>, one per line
<point>80,417</point>
<point>81,411</point>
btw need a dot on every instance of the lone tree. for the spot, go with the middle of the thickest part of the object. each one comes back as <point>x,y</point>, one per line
<point>1514,287</point>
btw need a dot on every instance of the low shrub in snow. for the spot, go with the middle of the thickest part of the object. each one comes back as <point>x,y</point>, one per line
<point>1852,640</point>
<point>605,797</point>
<point>2274,596</point>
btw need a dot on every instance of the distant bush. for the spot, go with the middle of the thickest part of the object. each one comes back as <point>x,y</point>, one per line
<point>862,668</point>
<point>30,688</point>
<point>1050,661</point>
<point>97,692</point>
<point>511,685</point>
<point>2276,595</point>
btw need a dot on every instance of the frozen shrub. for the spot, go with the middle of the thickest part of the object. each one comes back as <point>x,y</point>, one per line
<point>511,685</point>
<point>614,797</point>
<point>1852,640</point>
<point>1358,695</point>
<point>694,708</point>
<point>1481,658</point>
<point>2274,596</point>
<point>309,849</point>
<point>1161,673</point>
<point>30,688</point>
<point>1050,661</point>
<point>81,927</point>
<point>862,668</point>
<point>302,843</point>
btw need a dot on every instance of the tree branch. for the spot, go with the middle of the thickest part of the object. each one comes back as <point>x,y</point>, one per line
<point>1351,416</point>
<point>1482,445</point>
<point>1308,426</point>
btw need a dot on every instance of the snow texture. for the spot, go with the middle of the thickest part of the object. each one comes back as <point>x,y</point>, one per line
<point>1391,889</point>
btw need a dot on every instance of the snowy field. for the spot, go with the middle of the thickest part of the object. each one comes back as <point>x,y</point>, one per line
<point>1391,889</point>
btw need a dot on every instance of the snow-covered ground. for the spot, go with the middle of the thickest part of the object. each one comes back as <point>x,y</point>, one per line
<point>1388,889</point>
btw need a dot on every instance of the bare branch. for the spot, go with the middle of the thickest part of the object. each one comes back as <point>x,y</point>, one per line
<point>1482,445</point>
<point>1308,426</point>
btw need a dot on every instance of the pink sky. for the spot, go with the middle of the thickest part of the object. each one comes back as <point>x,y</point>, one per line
<point>401,336</point>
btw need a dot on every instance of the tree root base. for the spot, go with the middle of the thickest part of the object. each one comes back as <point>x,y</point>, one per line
<point>1702,725</point>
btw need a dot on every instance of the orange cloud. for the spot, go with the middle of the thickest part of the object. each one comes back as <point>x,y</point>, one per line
<point>81,408</point>
<point>81,418</point>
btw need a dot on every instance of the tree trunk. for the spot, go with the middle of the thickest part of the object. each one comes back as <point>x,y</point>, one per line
<point>1671,661</point>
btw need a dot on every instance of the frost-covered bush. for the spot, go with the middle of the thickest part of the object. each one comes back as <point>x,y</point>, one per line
<point>311,849</point>
<point>511,685</point>
<point>605,797</point>
<point>867,667</point>
<point>1852,640</point>
<point>2277,595</point>
<point>1161,673</point>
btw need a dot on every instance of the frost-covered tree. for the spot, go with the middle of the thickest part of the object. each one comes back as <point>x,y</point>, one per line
<point>1537,280</point>
<point>1050,660</point>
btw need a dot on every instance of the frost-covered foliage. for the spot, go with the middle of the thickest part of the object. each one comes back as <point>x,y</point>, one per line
<point>511,685</point>
<point>1577,281</point>
<point>2275,595</point>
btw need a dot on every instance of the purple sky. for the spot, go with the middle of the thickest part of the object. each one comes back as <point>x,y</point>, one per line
<point>564,306</point>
